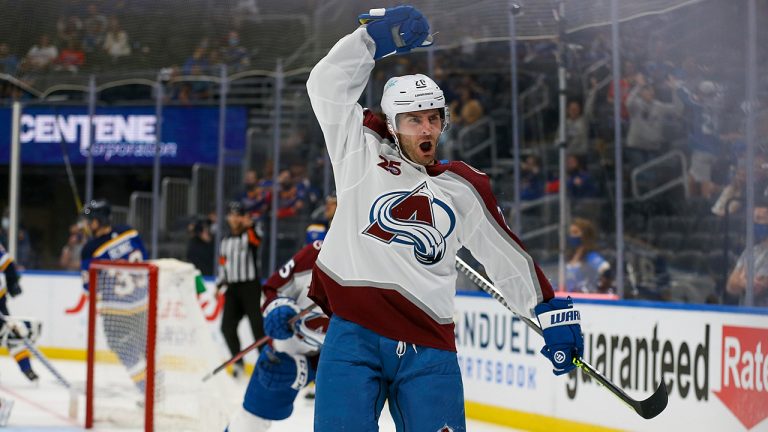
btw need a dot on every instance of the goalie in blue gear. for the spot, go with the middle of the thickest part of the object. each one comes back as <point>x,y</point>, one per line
<point>12,330</point>
<point>123,299</point>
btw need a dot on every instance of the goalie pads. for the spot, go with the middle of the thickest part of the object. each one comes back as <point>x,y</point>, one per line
<point>14,329</point>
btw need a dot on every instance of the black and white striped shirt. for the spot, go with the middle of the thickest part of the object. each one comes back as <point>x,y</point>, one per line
<point>237,257</point>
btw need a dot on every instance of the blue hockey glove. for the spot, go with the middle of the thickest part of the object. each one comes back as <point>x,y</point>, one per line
<point>399,29</point>
<point>276,317</point>
<point>562,333</point>
<point>278,370</point>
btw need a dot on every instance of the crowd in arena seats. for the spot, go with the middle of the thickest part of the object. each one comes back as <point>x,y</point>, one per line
<point>674,97</point>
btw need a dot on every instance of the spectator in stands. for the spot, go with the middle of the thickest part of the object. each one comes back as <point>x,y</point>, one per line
<point>235,55</point>
<point>732,194</point>
<point>586,271</point>
<point>290,200</point>
<point>200,247</point>
<point>95,25</point>
<point>250,179</point>
<point>467,109</point>
<point>69,28</point>
<point>703,112</point>
<point>95,20</point>
<point>8,60</point>
<point>311,194</point>
<point>70,59</point>
<point>737,281</point>
<point>577,122</point>
<point>116,43</point>
<point>25,255</point>
<point>70,253</point>
<point>532,179</point>
<point>196,63</point>
<point>579,180</point>
<point>627,82</point>
<point>41,55</point>
<point>647,118</point>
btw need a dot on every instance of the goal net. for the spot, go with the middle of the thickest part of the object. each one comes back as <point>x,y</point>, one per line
<point>148,349</point>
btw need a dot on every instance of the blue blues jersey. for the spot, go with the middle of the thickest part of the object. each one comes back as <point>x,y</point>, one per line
<point>584,276</point>
<point>10,283</point>
<point>121,291</point>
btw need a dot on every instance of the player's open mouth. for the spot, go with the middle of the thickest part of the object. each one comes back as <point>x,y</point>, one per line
<point>425,146</point>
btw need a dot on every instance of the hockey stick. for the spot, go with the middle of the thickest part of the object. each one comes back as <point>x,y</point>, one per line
<point>648,408</point>
<point>256,344</point>
<point>36,352</point>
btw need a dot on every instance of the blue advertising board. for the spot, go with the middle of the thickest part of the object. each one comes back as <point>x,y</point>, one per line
<point>122,135</point>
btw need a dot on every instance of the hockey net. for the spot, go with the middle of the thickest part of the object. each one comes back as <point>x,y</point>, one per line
<point>148,349</point>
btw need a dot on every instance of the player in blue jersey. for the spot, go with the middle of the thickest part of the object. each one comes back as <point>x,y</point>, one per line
<point>11,329</point>
<point>319,226</point>
<point>123,299</point>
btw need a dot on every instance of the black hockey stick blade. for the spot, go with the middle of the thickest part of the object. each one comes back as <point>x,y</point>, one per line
<point>647,409</point>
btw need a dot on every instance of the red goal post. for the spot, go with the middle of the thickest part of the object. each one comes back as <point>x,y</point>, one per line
<point>149,345</point>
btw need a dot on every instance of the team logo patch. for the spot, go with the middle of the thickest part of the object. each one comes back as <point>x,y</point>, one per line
<point>413,218</point>
<point>445,428</point>
<point>559,356</point>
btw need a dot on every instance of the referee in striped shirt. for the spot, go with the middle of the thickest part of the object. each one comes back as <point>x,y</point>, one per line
<point>238,274</point>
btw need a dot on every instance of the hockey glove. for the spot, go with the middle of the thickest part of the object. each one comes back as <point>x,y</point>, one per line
<point>399,29</point>
<point>278,370</point>
<point>276,317</point>
<point>562,333</point>
<point>14,289</point>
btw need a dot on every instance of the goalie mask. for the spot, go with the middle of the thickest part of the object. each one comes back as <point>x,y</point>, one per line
<point>416,115</point>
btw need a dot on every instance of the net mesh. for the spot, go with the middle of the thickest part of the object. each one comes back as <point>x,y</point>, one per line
<point>184,352</point>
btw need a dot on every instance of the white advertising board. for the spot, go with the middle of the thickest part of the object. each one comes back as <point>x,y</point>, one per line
<point>713,360</point>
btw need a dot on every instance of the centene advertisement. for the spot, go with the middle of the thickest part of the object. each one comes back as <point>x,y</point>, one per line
<point>713,360</point>
<point>122,135</point>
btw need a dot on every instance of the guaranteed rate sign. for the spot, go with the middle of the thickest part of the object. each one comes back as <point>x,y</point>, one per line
<point>123,136</point>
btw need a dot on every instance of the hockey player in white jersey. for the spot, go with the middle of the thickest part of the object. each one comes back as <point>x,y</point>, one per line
<point>291,361</point>
<point>386,270</point>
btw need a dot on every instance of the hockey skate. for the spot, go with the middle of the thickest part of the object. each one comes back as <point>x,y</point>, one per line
<point>31,375</point>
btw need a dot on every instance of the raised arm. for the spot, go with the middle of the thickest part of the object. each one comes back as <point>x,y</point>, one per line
<point>334,86</point>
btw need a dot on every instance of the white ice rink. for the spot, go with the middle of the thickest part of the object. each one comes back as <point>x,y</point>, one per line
<point>45,407</point>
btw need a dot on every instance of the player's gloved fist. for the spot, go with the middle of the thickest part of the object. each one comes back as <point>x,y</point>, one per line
<point>562,333</point>
<point>278,370</point>
<point>398,29</point>
<point>276,316</point>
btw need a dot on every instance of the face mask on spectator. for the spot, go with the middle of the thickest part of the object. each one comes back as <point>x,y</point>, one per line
<point>761,232</point>
<point>233,41</point>
<point>574,241</point>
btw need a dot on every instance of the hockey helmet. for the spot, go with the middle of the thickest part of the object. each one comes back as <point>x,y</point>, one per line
<point>100,210</point>
<point>411,93</point>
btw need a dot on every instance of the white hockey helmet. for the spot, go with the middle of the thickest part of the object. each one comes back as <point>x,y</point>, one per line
<point>409,93</point>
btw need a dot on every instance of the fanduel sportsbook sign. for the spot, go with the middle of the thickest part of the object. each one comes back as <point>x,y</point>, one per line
<point>122,135</point>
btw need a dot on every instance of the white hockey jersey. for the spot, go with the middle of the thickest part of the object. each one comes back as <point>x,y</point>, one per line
<point>387,262</point>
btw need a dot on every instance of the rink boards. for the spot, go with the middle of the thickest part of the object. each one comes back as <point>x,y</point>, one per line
<point>713,359</point>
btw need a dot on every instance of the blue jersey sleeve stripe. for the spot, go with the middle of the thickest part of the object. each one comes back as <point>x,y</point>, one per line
<point>103,248</point>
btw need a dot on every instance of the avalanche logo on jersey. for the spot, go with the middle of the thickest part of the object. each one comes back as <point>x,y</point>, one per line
<point>414,218</point>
